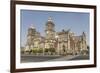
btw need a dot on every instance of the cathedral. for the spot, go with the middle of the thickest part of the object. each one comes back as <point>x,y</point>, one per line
<point>64,42</point>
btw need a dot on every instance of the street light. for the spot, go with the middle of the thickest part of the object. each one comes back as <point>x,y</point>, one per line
<point>57,43</point>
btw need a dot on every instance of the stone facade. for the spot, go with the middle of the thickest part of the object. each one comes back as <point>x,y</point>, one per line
<point>56,43</point>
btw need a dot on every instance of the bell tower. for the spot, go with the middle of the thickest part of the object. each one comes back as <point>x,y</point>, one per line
<point>30,38</point>
<point>50,34</point>
<point>50,29</point>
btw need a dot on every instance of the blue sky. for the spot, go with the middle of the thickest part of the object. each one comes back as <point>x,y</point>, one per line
<point>76,21</point>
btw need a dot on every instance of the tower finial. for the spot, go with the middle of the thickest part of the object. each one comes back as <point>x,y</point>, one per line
<point>50,18</point>
<point>32,26</point>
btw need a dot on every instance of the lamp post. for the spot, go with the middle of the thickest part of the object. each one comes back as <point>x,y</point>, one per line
<point>57,44</point>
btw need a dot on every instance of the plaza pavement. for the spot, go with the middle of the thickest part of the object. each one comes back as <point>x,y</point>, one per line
<point>32,58</point>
